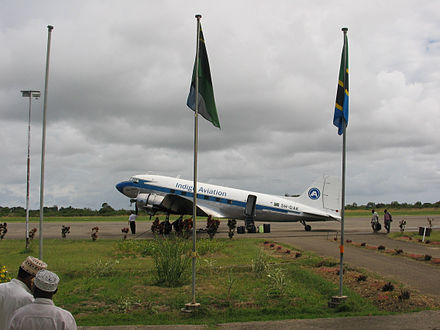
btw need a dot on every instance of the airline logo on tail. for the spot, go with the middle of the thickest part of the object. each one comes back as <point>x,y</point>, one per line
<point>314,193</point>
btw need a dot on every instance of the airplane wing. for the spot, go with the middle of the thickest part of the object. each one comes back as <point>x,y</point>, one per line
<point>181,205</point>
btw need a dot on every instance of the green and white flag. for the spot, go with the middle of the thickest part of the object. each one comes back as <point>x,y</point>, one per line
<point>206,93</point>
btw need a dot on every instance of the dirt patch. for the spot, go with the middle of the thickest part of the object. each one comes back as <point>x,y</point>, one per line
<point>398,299</point>
<point>390,297</point>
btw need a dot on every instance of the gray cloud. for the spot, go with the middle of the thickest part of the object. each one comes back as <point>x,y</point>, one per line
<point>120,76</point>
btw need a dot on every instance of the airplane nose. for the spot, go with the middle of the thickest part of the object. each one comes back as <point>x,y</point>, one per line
<point>120,186</point>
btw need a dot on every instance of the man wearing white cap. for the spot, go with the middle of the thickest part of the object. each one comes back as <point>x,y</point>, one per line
<point>42,313</point>
<point>17,292</point>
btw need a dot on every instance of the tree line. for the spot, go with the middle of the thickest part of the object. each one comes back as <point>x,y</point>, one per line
<point>392,205</point>
<point>105,210</point>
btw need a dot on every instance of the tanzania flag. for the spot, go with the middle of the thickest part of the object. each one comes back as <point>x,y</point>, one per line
<point>206,93</point>
<point>340,119</point>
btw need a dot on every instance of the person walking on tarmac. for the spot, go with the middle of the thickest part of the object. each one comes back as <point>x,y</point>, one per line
<point>375,221</point>
<point>387,218</point>
<point>132,222</point>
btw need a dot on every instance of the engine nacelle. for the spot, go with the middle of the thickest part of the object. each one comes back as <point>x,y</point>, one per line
<point>149,202</point>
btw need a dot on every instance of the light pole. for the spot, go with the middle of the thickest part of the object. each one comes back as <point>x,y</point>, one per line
<point>30,94</point>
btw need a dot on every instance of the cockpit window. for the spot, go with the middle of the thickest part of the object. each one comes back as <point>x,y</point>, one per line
<point>134,180</point>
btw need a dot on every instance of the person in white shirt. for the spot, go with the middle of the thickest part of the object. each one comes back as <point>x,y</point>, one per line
<point>132,222</point>
<point>42,313</point>
<point>17,292</point>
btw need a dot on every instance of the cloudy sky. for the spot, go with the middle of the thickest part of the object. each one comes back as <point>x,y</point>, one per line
<point>119,78</point>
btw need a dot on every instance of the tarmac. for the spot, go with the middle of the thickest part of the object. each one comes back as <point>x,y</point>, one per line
<point>417,275</point>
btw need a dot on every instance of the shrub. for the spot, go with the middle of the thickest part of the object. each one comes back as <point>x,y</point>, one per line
<point>94,234</point>
<point>404,295</point>
<point>381,247</point>
<point>4,275</point>
<point>64,231</point>
<point>3,230</point>
<point>361,278</point>
<point>170,261</point>
<point>388,287</point>
<point>260,263</point>
<point>364,244</point>
<point>428,257</point>
<point>32,233</point>
<point>102,268</point>
<point>126,304</point>
<point>187,227</point>
<point>124,232</point>
<point>232,223</point>
<point>398,251</point>
<point>277,282</point>
<point>212,226</point>
<point>155,226</point>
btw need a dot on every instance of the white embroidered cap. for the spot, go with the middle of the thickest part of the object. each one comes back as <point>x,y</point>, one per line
<point>46,281</point>
<point>32,265</point>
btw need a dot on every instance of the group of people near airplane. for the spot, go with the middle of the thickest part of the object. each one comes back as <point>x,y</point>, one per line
<point>387,219</point>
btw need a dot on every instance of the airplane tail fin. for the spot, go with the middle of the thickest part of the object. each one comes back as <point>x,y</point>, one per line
<point>324,194</point>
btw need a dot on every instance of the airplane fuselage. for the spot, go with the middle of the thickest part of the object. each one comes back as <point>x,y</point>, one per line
<point>223,202</point>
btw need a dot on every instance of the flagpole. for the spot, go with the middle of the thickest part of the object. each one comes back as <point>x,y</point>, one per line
<point>341,248</point>
<point>196,137</point>
<point>341,262</point>
<point>43,143</point>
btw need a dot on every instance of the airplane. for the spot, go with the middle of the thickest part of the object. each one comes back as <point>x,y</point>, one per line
<point>157,193</point>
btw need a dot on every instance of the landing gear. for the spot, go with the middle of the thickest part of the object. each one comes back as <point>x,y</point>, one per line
<point>306,226</point>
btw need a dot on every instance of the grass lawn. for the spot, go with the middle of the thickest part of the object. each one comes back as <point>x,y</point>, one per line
<point>107,282</point>
<point>395,212</point>
<point>433,237</point>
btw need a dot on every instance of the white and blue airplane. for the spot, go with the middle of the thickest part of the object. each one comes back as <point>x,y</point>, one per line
<point>155,193</point>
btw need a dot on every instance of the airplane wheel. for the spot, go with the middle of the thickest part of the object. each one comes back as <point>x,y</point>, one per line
<point>308,227</point>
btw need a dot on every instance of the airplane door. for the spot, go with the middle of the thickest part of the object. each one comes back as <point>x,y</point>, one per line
<point>250,206</point>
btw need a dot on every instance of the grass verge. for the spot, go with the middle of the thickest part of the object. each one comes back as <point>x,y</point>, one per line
<point>108,282</point>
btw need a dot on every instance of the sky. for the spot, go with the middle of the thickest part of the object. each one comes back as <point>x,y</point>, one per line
<point>120,73</point>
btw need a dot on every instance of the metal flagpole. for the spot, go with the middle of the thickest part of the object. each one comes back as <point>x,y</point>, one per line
<point>30,94</point>
<point>196,137</point>
<point>341,266</point>
<point>341,261</point>
<point>43,143</point>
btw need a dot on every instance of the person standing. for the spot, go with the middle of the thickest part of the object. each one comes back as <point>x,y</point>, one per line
<point>375,221</point>
<point>17,292</point>
<point>132,222</point>
<point>387,218</point>
<point>42,313</point>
